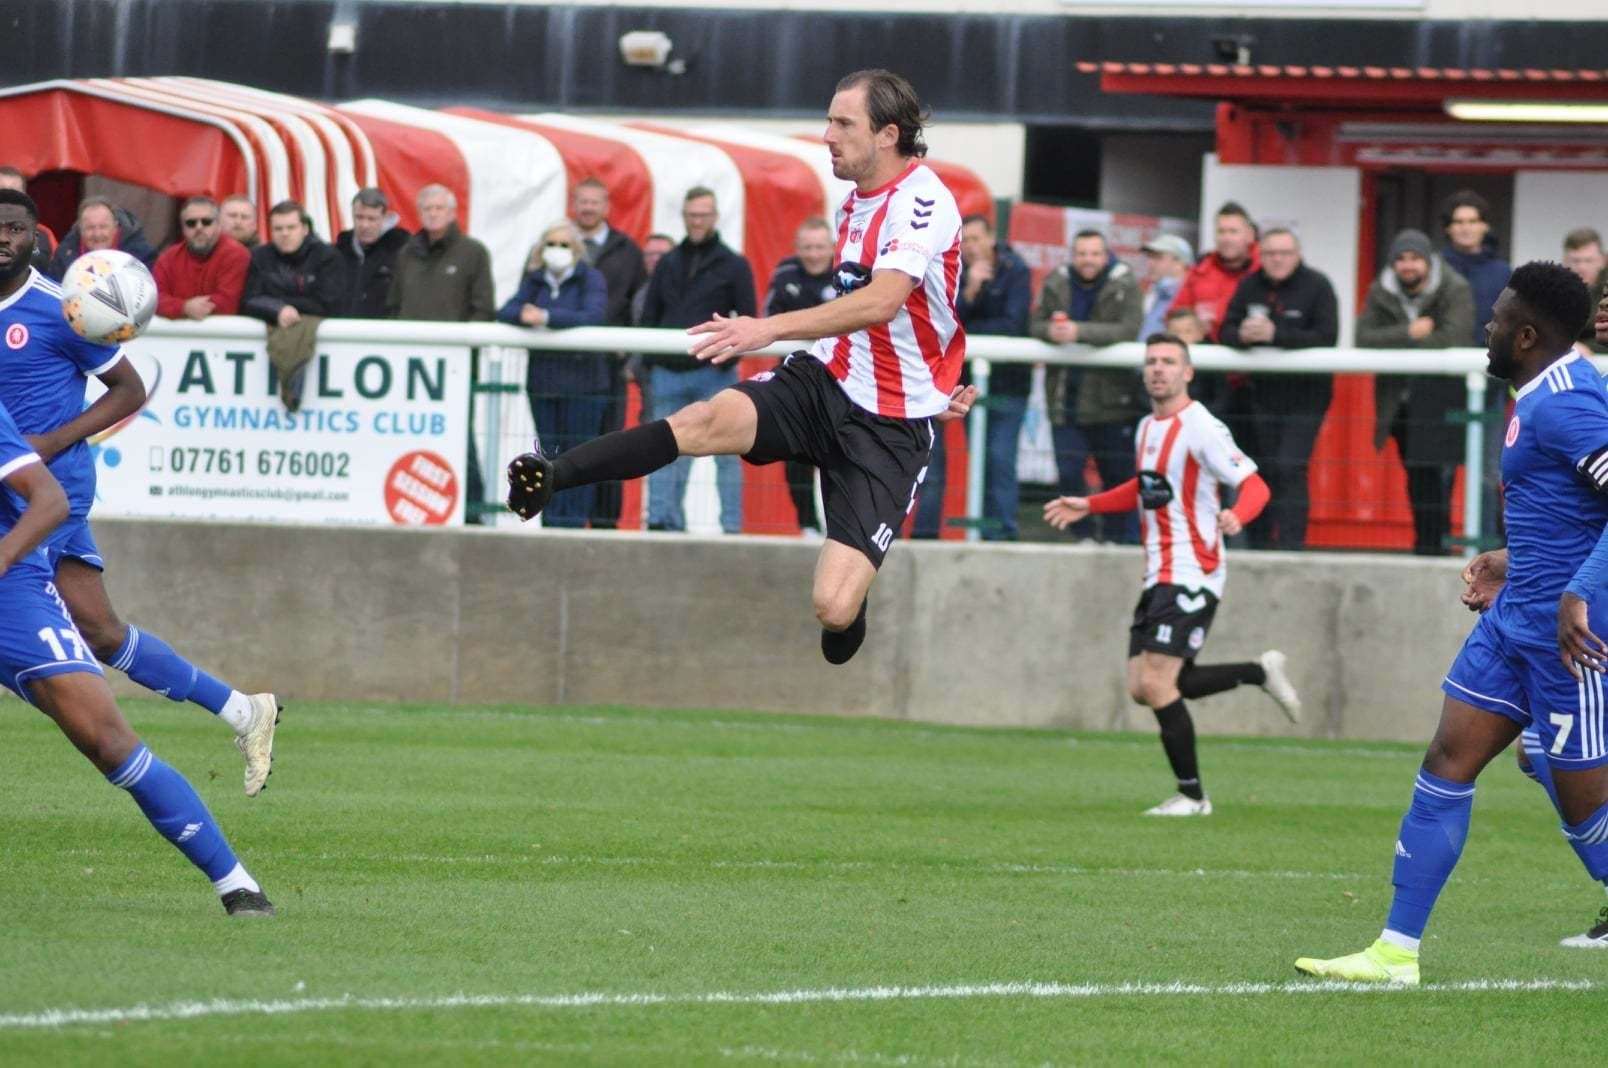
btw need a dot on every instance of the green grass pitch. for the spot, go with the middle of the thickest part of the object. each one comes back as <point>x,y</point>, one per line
<point>503,885</point>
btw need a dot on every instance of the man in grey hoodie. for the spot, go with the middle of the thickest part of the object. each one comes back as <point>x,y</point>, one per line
<point>1419,302</point>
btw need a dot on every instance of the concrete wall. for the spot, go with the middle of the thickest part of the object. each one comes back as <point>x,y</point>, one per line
<point>1022,635</point>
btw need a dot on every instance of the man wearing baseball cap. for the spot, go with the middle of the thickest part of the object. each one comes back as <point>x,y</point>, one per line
<point>1170,259</point>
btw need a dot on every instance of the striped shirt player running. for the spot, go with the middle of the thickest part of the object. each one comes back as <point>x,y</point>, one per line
<point>1185,458</point>
<point>862,403</point>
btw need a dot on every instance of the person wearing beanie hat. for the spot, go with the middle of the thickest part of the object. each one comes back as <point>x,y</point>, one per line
<point>1419,303</point>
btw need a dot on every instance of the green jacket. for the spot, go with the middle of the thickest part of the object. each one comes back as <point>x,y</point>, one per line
<point>1102,396</point>
<point>1422,400</point>
<point>443,281</point>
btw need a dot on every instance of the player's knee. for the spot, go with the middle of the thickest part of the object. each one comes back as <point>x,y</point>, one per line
<point>104,635</point>
<point>835,612</point>
<point>693,426</point>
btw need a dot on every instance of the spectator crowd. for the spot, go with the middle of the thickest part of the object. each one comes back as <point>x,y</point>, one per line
<point>1253,290</point>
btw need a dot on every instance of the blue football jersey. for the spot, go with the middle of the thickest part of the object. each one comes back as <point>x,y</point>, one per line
<point>44,370</point>
<point>14,455</point>
<point>1554,473</point>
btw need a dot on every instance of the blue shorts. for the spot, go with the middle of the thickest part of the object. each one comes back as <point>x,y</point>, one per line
<point>37,636</point>
<point>1528,684</point>
<point>73,539</point>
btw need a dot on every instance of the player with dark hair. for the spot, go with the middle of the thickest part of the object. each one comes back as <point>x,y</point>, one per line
<point>1534,659</point>
<point>1185,459</point>
<point>861,404</point>
<point>44,368</point>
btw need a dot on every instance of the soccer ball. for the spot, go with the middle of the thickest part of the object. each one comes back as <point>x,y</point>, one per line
<point>108,296</point>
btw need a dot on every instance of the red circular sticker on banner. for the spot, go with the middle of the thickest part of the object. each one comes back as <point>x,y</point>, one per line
<point>421,490</point>
<point>16,336</point>
<point>1512,431</point>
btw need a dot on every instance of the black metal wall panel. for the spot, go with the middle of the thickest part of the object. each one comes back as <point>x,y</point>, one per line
<point>558,56</point>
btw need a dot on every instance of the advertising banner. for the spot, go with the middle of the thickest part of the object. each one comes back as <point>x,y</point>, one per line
<point>381,435</point>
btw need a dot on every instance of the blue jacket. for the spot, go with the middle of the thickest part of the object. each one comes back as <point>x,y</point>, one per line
<point>1487,274</point>
<point>1001,307</point>
<point>580,300</point>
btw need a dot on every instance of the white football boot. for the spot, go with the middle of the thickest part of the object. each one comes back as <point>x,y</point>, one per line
<point>1278,685</point>
<point>1179,805</point>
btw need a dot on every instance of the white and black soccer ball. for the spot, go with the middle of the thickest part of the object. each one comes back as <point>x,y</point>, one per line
<point>108,296</point>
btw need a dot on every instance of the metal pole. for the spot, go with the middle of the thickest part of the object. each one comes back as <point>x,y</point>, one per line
<point>1473,462</point>
<point>977,451</point>
<point>491,434</point>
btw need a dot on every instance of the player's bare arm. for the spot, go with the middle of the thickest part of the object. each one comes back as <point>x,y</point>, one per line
<point>1484,576</point>
<point>47,507</point>
<point>722,339</point>
<point>125,393</point>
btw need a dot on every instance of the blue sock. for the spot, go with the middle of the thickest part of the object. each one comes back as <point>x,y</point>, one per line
<point>1589,838</point>
<point>176,811</point>
<point>1538,767</point>
<point>1427,847</point>
<point>152,663</point>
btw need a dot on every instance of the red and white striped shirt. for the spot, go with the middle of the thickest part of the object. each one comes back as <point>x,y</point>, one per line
<point>907,367</point>
<point>1182,462</point>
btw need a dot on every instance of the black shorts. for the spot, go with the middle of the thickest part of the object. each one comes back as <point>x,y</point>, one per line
<point>871,465</point>
<point>1171,619</point>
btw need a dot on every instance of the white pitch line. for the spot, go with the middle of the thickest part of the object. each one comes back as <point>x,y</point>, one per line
<point>193,1010</point>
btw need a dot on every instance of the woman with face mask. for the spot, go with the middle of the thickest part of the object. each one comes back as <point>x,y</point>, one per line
<point>569,392</point>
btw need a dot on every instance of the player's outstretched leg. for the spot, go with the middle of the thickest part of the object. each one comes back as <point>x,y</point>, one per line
<point>1267,671</point>
<point>622,454</point>
<point>1428,845</point>
<point>83,708</point>
<point>1533,762</point>
<point>152,663</point>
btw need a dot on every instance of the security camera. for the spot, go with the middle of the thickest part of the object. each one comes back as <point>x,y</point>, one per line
<point>645,48</point>
<point>342,38</point>
<point>1234,49</point>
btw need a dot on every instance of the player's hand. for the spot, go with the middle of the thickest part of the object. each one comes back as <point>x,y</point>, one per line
<point>722,339</point>
<point>1485,575</point>
<point>1064,511</point>
<point>1581,650</point>
<point>1229,523</point>
<point>960,404</point>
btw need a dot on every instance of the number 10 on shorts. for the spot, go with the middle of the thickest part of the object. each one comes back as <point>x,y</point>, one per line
<point>883,537</point>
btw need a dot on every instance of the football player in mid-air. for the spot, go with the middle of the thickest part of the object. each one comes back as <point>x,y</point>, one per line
<point>44,661</point>
<point>863,403</point>
<point>1185,457</point>
<point>44,369</point>
<point>1534,659</point>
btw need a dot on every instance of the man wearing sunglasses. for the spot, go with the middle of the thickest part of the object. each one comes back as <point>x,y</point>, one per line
<point>204,272</point>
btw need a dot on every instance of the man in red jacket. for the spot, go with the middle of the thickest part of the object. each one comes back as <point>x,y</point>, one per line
<point>1211,282</point>
<point>204,273</point>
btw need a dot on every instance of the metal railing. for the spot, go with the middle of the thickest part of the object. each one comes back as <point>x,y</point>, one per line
<point>983,352</point>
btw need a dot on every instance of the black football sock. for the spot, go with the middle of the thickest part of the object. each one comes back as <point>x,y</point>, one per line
<point>622,454</point>
<point>1178,739</point>
<point>1203,680</point>
<point>839,646</point>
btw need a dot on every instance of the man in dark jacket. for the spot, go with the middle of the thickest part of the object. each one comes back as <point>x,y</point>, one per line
<point>1094,300</point>
<point>294,281</point>
<point>996,294</point>
<point>1471,252</point>
<point>369,250</point>
<point>442,274</point>
<point>101,225</point>
<point>619,260</point>
<point>804,280</point>
<point>1286,305</point>
<point>1419,303</point>
<point>697,280</point>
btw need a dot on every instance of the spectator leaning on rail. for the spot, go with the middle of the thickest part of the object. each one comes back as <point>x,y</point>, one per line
<point>1094,300</point>
<point>653,250</point>
<point>1419,303</point>
<point>369,250</point>
<point>240,219</point>
<point>569,392</point>
<point>295,281</point>
<point>203,273</point>
<point>1170,261</point>
<point>694,282</point>
<point>442,274</point>
<point>804,280</point>
<point>100,225</point>
<point>1583,254</point>
<point>44,236</point>
<point>1210,283</point>
<point>618,257</point>
<point>1471,252</point>
<point>996,297</point>
<point>1284,304</point>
